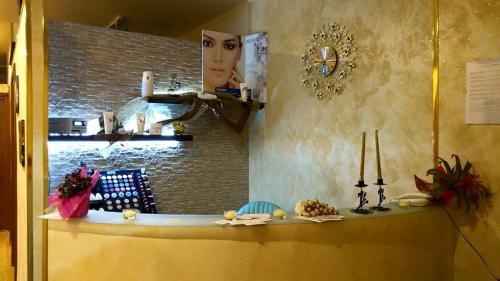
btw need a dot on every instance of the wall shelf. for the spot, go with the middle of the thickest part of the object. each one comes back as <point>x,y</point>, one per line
<point>220,105</point>
<point>172,99</point>
<point>117,137</point>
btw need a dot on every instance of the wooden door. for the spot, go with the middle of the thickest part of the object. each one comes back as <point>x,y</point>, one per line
<point>8,174</point>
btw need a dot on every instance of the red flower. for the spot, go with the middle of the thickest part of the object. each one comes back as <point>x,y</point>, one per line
<point>447,195</point>
<point>469,180</point>
<point>454,182</point>
<point>422,185</point>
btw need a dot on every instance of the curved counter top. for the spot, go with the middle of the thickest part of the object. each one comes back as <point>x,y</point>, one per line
<point>165,225</point>
<point>115,218</point>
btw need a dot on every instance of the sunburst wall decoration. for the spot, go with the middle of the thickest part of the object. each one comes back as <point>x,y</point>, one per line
<point>328,60</point>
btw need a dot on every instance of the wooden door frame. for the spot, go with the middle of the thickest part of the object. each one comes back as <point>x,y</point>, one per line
<point>13,138</point>
<point>12,208</point>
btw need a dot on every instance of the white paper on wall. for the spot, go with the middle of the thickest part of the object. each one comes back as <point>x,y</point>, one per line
<point>482,102</point>
<point>256,65</point>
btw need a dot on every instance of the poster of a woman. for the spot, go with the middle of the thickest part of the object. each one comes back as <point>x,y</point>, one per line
<point>221,56</point>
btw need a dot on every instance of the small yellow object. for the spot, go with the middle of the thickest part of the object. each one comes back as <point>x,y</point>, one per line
<point>178,127</point>
<point>279,213</point>
<point>229,215</point>
<point>129,214</point>
<point>404,203</point>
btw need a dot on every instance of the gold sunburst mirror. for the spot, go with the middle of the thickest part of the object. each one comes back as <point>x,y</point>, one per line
<point>327,60</point>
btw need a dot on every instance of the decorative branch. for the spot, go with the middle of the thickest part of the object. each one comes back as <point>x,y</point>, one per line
<point>219,105</point>
<point>188,115</point>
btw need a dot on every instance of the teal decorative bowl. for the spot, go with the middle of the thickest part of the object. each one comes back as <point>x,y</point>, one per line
<point>258,207</point>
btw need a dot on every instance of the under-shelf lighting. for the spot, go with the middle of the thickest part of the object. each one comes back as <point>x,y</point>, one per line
<point>151,144</point>
<point>64,146</point>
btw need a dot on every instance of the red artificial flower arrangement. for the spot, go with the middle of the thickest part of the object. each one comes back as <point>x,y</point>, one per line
<point>455,182</point>
<point>72,195</point>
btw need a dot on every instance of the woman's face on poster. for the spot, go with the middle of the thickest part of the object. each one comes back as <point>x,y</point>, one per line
<point>221,53</point>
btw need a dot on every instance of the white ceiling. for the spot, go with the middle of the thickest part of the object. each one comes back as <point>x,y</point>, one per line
<point>160,17</point>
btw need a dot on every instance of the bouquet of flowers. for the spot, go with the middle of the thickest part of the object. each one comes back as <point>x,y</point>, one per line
<point>72,195</point>
<point>457,182</point>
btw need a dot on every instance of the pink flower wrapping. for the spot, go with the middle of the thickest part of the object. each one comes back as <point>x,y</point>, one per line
<point>77,205</point>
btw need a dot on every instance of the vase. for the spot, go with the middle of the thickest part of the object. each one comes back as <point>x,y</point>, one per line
<point>76,206</point>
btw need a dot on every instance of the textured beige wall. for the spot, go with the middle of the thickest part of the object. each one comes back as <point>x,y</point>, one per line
<point>23,190</point>
<point>31,181</point>
<point>470,31</point>
<point>301,148</point>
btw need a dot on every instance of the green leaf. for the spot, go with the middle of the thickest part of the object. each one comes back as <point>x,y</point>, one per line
<point>446,166</point>
<point>468,166</point>
<point>431,172</point>
<point>441,188</point>
<point>458,163</point>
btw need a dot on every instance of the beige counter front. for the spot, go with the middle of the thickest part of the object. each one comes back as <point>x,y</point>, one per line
<point>404,244</point>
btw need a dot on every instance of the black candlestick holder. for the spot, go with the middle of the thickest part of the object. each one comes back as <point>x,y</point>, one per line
<point>381,197</point>
<point>362,199</point>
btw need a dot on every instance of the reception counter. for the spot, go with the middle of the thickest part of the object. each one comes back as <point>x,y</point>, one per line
<point>403,244</point>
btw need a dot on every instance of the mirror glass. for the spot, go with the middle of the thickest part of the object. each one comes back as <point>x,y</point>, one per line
<point>326,61</point>
<point>96,64</point>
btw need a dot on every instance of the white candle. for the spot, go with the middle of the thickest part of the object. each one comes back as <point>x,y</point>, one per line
<point>141,120</point>
<point>108,122</point>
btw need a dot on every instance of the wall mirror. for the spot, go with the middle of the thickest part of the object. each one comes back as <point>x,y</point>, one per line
<point>96,62</point>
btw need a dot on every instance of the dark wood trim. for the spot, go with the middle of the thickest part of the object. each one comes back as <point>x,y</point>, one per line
<point>13,139</point>
<point>8,190</point>
<point>172,99</point>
